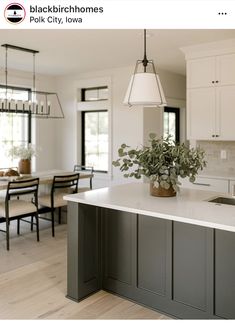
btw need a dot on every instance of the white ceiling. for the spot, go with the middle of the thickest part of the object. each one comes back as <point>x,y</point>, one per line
<point>64,52</point>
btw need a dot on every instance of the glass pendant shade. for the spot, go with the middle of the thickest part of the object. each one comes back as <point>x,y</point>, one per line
<point>145,89</point>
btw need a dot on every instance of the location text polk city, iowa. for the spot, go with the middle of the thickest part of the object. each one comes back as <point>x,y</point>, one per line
<point>54,20</point>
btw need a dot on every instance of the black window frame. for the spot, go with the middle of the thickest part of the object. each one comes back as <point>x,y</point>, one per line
<point>83,93</point>
<point>176,111</point>
<point>83,113</point>
<point>29,124</point>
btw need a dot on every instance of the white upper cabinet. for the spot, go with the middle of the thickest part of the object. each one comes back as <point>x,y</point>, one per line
<point>211,91</point>
<point>226,69</point>
<point>211,71</point>
<point>225,113</point>
<point>201,72</point>
<point>211,113</point>
<point>201,113</point>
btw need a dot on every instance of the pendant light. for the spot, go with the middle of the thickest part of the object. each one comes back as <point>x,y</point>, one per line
<point>145,87</point>
<point>40,104</point>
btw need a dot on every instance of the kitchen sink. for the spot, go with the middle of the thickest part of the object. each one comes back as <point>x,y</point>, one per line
<point>223,200</point>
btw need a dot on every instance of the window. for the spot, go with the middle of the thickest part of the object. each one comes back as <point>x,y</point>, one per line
<point>15,128</point>
<point>172,123</point>
<point>14,93</point>
<point>95,139</point>
<point>94,94</point>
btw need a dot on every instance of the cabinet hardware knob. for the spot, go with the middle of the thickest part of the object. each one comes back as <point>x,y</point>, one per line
<point>217,81</point>
<point>213,81</point>
<point>213,135</point>
<point>216,135</point>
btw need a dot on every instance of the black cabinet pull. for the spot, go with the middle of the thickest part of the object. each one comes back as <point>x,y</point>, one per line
<point>213,135</point>
<point>213,81</point>
<point>201,184</point>
<point>217,81</point>
<point>216,135</point>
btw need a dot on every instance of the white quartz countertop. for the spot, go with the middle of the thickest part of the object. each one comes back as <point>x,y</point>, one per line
<point>189,206</point>
<point>224,175</point>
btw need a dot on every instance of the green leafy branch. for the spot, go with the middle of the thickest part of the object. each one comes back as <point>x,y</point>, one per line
<point>163,161</point>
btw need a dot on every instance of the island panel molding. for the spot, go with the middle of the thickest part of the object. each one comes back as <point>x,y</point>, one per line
<point>83,241</point>
<point>175,267</point>
<point>224,274</point>
<point>152,235</point>
<point>190,264</point>
<point>117,246</point>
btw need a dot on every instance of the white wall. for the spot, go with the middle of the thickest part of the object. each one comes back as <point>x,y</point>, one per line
<point>128,124</point>
<point>44,137</point>
<point>174,86</point>
<point>58,138</point>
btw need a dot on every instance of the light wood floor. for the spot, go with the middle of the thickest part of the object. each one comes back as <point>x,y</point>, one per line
<point>33,283</point>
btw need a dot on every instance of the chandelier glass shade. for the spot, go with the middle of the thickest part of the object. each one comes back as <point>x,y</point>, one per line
<point>145,87</point>
<point>40,104</point>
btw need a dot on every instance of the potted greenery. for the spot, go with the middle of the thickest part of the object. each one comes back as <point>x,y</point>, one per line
<point>162,162</point>
<point>25,154</point>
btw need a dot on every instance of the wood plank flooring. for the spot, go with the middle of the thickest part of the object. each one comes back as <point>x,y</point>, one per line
<point>33,282</point>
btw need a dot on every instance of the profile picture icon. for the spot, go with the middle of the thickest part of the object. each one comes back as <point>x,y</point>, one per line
<point>14,13</point>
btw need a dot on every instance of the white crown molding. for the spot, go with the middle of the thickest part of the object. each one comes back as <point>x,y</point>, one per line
<point>209,49</point>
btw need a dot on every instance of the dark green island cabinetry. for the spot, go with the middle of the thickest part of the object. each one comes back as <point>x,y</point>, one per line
<point>184,270</point>
<point>178,268</point>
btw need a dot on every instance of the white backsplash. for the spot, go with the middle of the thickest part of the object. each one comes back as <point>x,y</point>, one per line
<point>215,164</point>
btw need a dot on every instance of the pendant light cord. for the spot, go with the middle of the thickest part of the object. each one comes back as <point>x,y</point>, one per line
<point>34,83</point>
<point>34,73</point>
<point>145,60</point>
<point>6,72</point>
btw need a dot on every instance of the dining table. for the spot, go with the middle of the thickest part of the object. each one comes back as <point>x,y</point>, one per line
<point>45,177</point>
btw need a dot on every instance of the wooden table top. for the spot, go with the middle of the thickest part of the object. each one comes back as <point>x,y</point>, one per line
<point>45,177</point>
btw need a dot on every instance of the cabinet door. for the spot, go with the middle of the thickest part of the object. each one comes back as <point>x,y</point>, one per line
<point>117,248</point>
<point>201,113</point>
<point>224,274</point>
<point>152,254</point>
<point>192,264</point>
<point>201,72</point>
<point>225,103</point>
<point>226,69</point>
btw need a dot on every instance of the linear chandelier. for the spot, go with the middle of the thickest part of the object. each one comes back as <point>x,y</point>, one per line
<point>40,104</point>
<point>145,86</point>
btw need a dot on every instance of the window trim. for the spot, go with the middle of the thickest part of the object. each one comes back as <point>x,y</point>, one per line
<point>83,93</point>
<point>175,110</point>
<point>16,88</point>
<point>83,113</point>
<point>29,124</point>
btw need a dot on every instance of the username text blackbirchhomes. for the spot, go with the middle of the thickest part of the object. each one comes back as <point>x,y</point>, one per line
<point>65,9</point>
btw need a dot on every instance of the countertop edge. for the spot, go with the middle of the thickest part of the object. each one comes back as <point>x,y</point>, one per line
<point>166,216</point>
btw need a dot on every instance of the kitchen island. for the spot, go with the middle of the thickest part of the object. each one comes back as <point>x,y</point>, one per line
<point>175,255</point>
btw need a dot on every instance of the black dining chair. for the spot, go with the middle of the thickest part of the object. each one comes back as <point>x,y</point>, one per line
<point>61,185</point>
<point>21,201</point>
<point>87,170</point>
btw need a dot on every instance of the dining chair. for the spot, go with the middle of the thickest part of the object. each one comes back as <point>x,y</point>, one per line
<point>88,170</point>
<point>21,201</point>
<point>61,185</point>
